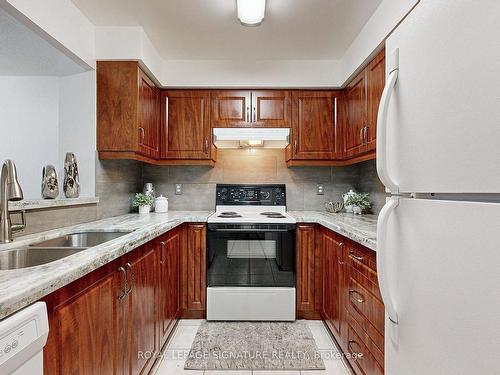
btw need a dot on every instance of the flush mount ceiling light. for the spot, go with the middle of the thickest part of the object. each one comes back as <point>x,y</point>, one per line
<point>251,12</point>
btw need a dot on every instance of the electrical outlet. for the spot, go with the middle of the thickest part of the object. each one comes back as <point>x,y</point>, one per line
<point>321,190</point>
<point>178,189</point>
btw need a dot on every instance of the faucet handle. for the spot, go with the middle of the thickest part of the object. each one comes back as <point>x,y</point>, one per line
<point>22,225</point>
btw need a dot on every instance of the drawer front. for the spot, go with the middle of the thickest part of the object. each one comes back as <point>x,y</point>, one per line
<point>373,348</point>
<point>367,310</point>
<point>360,357</point>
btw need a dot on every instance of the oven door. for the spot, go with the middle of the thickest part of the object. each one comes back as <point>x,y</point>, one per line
<point>251,255</point>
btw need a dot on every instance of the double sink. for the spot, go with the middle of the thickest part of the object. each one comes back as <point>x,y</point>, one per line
<point>54,249</point>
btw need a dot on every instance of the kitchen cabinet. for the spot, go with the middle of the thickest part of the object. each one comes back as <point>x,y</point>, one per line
<point>338,278</point>
<point>100,323</point>
<point>362,97</point>
<point>308,270</point>
<point>315,120</point>
<point>193,275</point>
<point>186,132</point>
<point>83,327</point>
<point>128,111</point>
<point>141,322</point>
<point>169,287</point>
<point>244,108</point>
<point>333,282</point>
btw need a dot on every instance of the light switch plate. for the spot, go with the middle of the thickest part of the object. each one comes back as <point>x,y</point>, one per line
<point>178,189</point>
<point>321,190</point>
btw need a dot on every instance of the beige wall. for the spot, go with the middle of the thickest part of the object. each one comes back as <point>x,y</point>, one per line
<point>257,166</point>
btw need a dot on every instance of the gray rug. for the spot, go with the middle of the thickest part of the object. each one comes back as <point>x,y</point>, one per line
<point>254,346</point>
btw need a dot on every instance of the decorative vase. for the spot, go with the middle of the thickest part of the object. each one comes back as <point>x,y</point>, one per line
<point>144,209</point>
<point>357,210</point>
<point>50,183</point>
<point>71,178</point>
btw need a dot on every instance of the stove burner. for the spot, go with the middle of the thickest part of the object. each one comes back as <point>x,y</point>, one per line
<point>278,216</point>
<point>229,214</point>
<point>270,213</point>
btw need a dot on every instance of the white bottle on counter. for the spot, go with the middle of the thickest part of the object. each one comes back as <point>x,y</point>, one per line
<point>161,204</point>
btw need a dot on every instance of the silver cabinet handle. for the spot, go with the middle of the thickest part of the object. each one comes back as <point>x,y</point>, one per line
<point>335,112</point>
<point>206,146</point>
<point>254,114</point>
<point>129,267</point>
<point>166,112</point>
<point>366,134</point>
<point>353,255</point>
<point>123,292</point>
<point>248,114</point>
<point>349,346</point>
<point>361,135</point>
<point>355,293</point>
<point>141,129</point>
<point>341,259</point>
<point>162,261</point>
<point>295,146</point>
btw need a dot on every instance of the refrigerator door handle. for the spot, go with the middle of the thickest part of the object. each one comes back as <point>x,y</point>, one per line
<point>382,168</point>
<point>383,256</point>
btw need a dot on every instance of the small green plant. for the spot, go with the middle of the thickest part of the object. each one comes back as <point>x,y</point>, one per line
<point>142,200</point>
<point>361,200</point>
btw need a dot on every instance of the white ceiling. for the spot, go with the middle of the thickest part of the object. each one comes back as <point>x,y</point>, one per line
<point>24,52</point>
<point>209,29</point>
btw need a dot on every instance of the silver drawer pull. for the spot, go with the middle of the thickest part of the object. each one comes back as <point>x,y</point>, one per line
<point>349,345</point>
<point>123,292</point>
<point>360,299</point>
<point>352,254</point>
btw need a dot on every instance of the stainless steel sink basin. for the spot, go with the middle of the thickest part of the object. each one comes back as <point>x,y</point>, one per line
<point>33,256</point>
<point>80,240</point>
<point>54,249</point>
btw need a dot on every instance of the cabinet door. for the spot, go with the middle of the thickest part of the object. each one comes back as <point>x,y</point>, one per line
<point>83,321</point>
<point>271,108</point>
<point>186,125</point>
<point>148,116</point>
<point>375,74</point>
<point>333,279</point>
<point>142,267</point>
<point>193,271</point>
<point>308,273</point>
<point>314,121</point>
<point>168,287</point>
<point>356,102</point>
<point>231,108</point>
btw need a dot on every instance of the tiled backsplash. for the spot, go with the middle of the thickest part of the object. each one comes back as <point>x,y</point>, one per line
<point>254,166</point>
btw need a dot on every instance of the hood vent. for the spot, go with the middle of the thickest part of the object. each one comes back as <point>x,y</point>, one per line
<point>251,137</point>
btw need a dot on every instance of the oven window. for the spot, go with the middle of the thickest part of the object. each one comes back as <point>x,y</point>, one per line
<point>239,258</point>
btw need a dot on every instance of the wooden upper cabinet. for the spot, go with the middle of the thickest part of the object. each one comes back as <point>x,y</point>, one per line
<point>362,97</point>
<point>375,77</point>
<point>356,102</point>
<point>231,108</point>
<point>127,110</point>
<point>271,109</point>
<point>149,116</point>
<point>314,124</point>
<point>242,108</point>
<point>186,132</point>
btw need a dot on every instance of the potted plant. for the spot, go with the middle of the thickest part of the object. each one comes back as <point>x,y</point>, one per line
<point>359,202</point>
<point>143,202</point>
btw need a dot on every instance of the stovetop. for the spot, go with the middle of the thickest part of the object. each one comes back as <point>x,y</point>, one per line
<point>250,204</point>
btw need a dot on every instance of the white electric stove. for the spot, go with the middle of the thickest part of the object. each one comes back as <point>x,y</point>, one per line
<point>251,255</point>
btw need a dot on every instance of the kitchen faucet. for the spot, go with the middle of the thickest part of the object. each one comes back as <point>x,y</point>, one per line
<point>10,191</point>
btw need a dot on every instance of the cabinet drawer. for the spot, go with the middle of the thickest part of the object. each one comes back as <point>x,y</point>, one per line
<point>367,310</point>
<point>373,348</point>
<point>361,358</point>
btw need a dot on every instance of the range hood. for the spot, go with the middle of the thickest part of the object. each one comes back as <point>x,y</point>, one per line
<point>251,137</point>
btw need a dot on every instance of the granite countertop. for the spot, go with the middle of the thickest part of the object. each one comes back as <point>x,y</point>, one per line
<point>21,287</point>
<point>359,228</point>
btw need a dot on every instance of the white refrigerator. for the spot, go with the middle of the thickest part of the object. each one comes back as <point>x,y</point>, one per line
<point>438,154</point>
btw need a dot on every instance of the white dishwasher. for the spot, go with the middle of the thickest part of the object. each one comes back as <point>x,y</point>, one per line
<point>22,338</point>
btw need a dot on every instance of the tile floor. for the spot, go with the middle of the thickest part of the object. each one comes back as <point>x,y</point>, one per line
<point>181,341</point>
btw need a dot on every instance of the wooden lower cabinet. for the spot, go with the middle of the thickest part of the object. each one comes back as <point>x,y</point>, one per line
<point>193,277</point>
<point>347,293</point>
<point>115,319</point>
<point>308,270</point>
